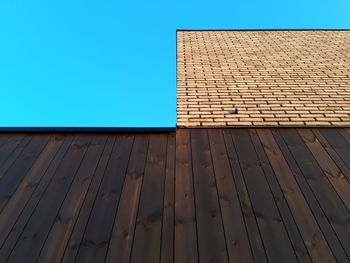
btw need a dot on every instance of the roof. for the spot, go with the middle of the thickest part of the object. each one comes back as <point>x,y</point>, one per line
<point>273,78</point>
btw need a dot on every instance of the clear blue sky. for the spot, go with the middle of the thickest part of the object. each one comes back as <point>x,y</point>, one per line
<point>104,63</point>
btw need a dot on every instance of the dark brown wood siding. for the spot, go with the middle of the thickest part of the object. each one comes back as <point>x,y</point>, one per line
<point>195,195</point>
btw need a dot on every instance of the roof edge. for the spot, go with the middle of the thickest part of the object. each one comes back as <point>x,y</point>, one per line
<point>84,129</point>
<point>267,29</point>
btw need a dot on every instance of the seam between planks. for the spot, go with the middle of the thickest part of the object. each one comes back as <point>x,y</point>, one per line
<point>217,194</point>
<point>238,196</point>
<point>281,189</point>
<point>38,201</point>
<point>248,195</point>
<point>316,199</point>
<point>93,203</point>
<point>139,201</point>
<point>75,173</point>
<point>73,179</point>
<point>194,191</point>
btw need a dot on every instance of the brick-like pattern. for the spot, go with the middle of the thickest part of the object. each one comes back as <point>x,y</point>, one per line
<point>273,78</point>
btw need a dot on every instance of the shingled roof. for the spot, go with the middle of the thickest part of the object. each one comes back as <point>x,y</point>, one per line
<point>273,78</point>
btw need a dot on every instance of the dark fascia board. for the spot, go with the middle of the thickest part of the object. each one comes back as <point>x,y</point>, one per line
<point>85,129</point>
<point>267,29</point>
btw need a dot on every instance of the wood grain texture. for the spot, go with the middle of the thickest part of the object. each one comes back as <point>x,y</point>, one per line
<point>282,205</point>
<point>34,234</point>
<point>196,195</point>
<point>273,232</point>
<point>94,244</point>
<point>255,240</point>
<point>124,224</point>
<point>237,241</point>
<point>185,240</point>
<point>307,225</point>
<point>148,230</point>
<point>61,229</point>
<point>331,203</point>
<point>211,238</point>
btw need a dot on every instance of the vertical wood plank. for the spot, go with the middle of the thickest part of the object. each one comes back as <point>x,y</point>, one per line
<point>147,239</point>
<point>167,247</point>
<point>235,230</point>
<point>330,169</point>
<point>185,240</point>
<point>329,200</point>
<point>14,229</point>
<point>333,154</point>
<point>211,238</point>
<point>10,150</point>
<point>338,143</point>
<point>291,227</point>
<point>255,241</point>
<point>61,229</point>
<point>28,186</point>
<point>36,229</point>
<point>313,203</point>
<point>94,245</point>
<point>85,211</point>
<point>123,231</point>
<point>15,174</point>
<point>303,216</point>
<point>273,233</point>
